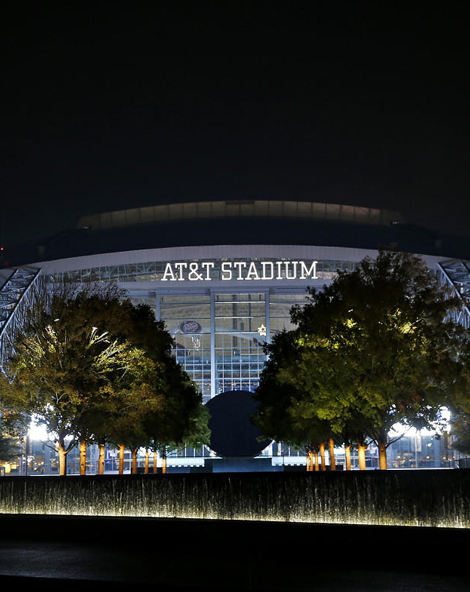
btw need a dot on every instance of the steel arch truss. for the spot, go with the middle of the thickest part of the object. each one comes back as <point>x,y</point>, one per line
<point>12,295</point>
<point>456,273</point>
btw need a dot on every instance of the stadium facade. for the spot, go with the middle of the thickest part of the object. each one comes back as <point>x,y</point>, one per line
<point>223,275</point>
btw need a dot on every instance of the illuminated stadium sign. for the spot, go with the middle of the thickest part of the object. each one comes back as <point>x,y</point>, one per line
<point>239,270</point>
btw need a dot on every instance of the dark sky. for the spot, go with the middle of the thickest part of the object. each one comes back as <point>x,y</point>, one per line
<point>113,105</point>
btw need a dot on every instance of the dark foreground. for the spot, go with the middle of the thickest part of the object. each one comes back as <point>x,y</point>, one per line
<point>71,553</point>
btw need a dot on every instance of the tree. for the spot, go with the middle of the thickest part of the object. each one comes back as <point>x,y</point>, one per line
<point>116,413</point>
<point>280,413</point>
<point>63,358</point>
<point>168,413</point>
<point>377,344</point>
<point>460,424</point>
<point>91,366</point>
<point>60,361</point>
<point>183,420</point>
<point>354,436</point>
<point>10,439</point>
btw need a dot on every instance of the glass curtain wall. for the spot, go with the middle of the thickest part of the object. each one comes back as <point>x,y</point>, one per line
<point>188,319</point>
<point>219,338</point>
<point>240,333</point>
<point>279,311</point>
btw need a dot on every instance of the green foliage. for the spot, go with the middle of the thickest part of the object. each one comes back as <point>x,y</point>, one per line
<point>10,440</point>
<point>89,365</point>
<point>9,448</point>
<point>460,423</point>
<point>156,405</point>
<point>374,348</point>
<point>183,420</point>
<point>63,356</point>
<point>283,413</point>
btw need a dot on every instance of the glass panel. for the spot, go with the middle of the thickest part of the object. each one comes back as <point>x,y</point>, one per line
<point>211,269</point>
<point>279,310</point>
<point>187,318</point>
<point>239,338</point>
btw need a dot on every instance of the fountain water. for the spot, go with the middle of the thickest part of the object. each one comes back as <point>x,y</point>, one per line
<point>437,498</point>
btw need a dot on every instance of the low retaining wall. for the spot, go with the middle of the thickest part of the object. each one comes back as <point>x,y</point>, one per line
<point>393,498</point>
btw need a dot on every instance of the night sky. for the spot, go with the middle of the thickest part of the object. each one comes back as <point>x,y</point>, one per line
<point>114,105</point>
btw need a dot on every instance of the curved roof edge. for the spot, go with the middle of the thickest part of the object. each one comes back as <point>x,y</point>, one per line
<point>239,208</point>
<point>234,223</point>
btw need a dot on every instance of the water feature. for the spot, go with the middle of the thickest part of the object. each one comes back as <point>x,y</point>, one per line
<point>437,498</point>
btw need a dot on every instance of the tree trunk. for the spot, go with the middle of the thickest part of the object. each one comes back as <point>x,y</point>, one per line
<point>62,458</point>
<point>155,455</point>
<point>121,459</point>
<point>82,457</point>
<point>101,460</point>
<point>322,455</point>
<point>310,461</point>
<point>361,453</point>
<point>146,461</point>
<point>317,467</point>
<point>163,463</point>
<point>383,456</point>
<point>331,445</point>
<point>347,455</point>
<point>134,461</point>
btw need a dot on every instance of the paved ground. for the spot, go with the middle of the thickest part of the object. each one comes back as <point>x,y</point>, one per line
<point>85,553</point>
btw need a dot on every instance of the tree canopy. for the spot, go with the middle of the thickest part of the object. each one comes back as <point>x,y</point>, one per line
<point>10,440</point>
<point>91,366</point>
<point>375,347</point>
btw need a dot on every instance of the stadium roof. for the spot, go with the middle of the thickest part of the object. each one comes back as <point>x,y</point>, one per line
<point>249,222</point>
<point>239,209</point>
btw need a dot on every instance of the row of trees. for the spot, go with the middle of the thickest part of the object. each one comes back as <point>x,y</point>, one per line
<point>375,348</point>
<point>92,367</point>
